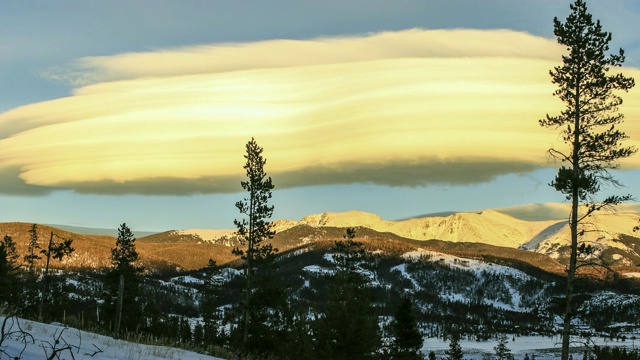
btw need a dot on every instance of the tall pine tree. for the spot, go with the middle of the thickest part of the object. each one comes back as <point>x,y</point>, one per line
<point>124,262</point>
<point>407,340</point>
<point>348,326</point>
<point>30,281</point>
<point>254,230</point>
<point>588,128</point>
<point>32,249</point>
<point>9,289</point>
<point>455,350</point>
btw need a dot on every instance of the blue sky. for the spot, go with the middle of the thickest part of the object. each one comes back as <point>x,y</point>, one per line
<point>358,86</point>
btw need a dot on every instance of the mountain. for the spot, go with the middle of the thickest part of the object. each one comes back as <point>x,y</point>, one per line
<point>192,248</point>
<point>489,227</point>
<point>611,232</point>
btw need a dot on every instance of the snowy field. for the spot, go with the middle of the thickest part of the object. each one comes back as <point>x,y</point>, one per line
<point>26,339</point>
<point>42,340</point>
<point>544,348</point>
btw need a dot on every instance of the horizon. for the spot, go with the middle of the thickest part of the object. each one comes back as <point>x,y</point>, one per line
<point>528,212</point>
<point>141,116</point>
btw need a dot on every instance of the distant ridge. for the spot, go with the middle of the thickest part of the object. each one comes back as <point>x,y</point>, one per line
<point>99,231</point>
<point>610,232</point>
<point>435,214</point>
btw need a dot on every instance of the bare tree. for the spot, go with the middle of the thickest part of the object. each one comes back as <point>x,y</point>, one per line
<point>57,250</point>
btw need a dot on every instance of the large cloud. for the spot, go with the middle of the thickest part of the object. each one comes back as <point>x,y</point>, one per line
<point>398,108</point>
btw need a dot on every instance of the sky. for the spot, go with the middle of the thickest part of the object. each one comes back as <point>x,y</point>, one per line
<point>139,111</point>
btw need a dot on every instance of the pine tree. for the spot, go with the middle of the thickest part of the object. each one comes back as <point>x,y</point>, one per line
<point>501,350</point>
<point>32,249</point>
<point>407,337</point>
<point>299,344</point>
<point>198,335</point>
<point>455,350</point>
<point>30,280</point>
<point>348,326</point>
<point>124,261</point>
<point>588,128</point>
<point>254,230</point>
<point>208,309</point>
<point>211,290</point>
<point>185,331</point>
<point>9,288</point>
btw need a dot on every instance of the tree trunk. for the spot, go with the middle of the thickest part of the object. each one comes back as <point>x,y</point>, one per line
<point>119,305</point>
<point>45,279</point>
<point>573,225</point>
<point>247,308</point>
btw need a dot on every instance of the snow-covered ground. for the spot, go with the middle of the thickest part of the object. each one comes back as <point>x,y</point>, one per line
<point>544,348</point>
<point>25,339</point>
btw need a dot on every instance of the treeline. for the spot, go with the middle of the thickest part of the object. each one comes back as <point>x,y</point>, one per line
<point>27,289</point>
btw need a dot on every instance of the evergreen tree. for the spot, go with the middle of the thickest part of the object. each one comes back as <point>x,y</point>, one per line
<point>501,350</point>
<point>211,290</point>
<point>407,340</point>
<point>299,344</point>
<point>9,288</point>
<point>124,262</point>
<point>348,326</point>
<point>198,335</point>
<point>185,331</point>
<point>32,249</point>
<point>455,350</point>
<point>208,308</point>
<point>30,283</point>
<point>588,128</point>
<point>254,231</point>
<point>154,325</point>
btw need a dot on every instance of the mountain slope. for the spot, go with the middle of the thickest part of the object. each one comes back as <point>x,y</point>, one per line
<point>93,251</point>
<point>491,227</point>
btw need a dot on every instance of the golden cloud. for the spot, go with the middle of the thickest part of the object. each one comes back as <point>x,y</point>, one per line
<point>402,108</point>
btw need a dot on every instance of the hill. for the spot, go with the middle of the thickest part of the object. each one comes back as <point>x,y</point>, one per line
<point>93,251</point>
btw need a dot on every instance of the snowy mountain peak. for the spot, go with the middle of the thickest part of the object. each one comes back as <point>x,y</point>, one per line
<point>491,227</point>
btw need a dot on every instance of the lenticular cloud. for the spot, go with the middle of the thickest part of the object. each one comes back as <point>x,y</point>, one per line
<point>404,108</point>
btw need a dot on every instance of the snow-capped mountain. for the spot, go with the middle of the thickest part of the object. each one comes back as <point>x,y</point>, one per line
<point>537,227</point>
<point>612,231</point>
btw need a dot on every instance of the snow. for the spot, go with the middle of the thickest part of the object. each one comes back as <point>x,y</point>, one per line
<point>207,234</point>
<point>41,339</point>
<point>544,348</point>
<point>402,268</point>
<point>316,269</point>
<point>186,280</point>
<point>476,266</point>
<point>492,227</point>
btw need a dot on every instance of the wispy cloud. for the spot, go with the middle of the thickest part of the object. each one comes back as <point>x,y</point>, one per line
<point>402,108</point>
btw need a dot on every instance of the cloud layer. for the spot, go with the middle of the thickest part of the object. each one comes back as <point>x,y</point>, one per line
<point>405,108</point>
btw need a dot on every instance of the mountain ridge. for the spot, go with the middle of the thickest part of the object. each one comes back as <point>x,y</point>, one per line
<point>191,248</point>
